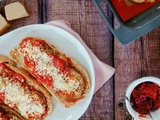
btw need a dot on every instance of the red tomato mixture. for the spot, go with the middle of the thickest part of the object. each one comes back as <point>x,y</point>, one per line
<point>146,97</point>
<point>128,10</point>
<point>3,116</point>
<point>58,62</point>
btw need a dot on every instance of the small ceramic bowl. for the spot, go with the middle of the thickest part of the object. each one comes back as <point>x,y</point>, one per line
<point>155,114</point>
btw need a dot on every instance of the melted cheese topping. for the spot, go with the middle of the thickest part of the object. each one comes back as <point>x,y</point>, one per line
<point>22,98</point>
<point>45,67</point>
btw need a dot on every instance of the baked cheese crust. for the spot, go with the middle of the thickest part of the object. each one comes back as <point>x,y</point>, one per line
<point>20,91</point>
<point>63,76</point>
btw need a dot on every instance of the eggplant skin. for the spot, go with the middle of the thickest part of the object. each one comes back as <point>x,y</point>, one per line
<point>9,114</point>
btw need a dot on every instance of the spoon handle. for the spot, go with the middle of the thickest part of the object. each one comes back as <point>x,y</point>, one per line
<point>129,101</point>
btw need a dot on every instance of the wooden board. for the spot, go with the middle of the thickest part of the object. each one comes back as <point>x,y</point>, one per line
<point>138,59</point>
<point>135,60</point>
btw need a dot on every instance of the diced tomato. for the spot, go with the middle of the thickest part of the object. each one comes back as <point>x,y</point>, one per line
<point>151,92</point>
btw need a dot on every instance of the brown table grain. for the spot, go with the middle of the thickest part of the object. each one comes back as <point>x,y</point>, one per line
<point>132,61</point>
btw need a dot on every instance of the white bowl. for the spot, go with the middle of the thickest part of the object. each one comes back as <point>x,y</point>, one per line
<point>155,114</point>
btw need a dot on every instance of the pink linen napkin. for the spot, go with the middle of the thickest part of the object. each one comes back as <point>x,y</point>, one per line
<point>102,71</point>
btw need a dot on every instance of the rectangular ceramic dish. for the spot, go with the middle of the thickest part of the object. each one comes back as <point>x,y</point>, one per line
<point>135,27</point>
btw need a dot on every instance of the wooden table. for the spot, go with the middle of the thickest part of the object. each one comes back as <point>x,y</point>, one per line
<point>135,60</point>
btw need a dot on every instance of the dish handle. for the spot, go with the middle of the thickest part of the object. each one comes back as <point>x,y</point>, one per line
<point>126,34</point>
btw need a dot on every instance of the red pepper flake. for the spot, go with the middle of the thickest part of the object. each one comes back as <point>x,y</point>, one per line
<point>142,96</point>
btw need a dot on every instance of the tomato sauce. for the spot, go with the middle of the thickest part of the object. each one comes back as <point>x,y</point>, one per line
<point>3,116</point>
<point>13,77</point>
<point>128,10</point>
<point>31,64</point>
<point>42,78</point>
<point>2,97</point>
<point>18,78</point>
<point>58,62</point>
<point>11,74</point>
<point>143,95</point>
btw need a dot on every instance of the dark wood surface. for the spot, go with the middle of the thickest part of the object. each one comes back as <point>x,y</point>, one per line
<point>132,61</point>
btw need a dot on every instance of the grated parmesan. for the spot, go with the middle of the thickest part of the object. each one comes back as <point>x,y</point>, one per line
<point>45,67</point>
<point>22,98</point>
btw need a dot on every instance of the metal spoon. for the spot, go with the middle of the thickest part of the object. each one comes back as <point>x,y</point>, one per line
<point>129,101</point>
<point>151,104</point>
